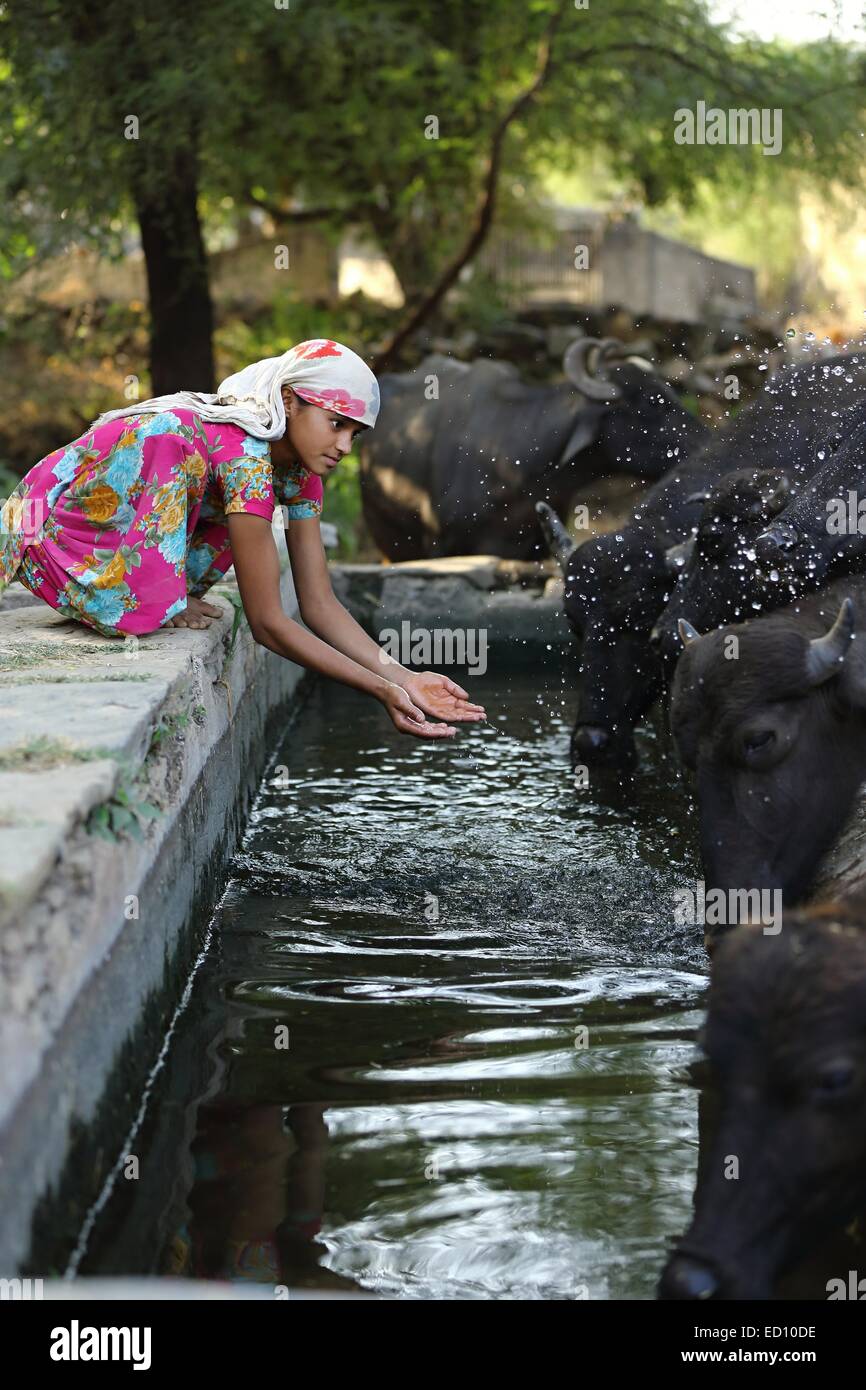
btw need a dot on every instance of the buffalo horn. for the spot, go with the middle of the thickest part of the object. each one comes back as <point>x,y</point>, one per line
<point>827,653</point>
<point>559,541</point>
<point>687,632</point>
<point>575,364</point>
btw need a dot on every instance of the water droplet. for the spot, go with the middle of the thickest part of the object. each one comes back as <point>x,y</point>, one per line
<point>791,333</point>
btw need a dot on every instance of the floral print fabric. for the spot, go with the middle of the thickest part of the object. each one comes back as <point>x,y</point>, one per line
<point>118,527</point>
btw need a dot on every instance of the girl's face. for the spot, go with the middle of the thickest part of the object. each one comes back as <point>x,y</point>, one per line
<point>315,437</point>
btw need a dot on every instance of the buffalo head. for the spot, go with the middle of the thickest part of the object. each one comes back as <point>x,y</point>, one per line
<point>615,586</point>
<point>770,716</point>
<point>785,1161</point>
<point>635,419</point>
<point>716,583</point>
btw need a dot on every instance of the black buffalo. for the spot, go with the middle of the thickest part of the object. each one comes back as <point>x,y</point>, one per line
<point>785,1059</point>
<point>814,428</point>
<point>617,584</point>
<point>770,716</point>
<point>822,531</point>
<point>460,473</point>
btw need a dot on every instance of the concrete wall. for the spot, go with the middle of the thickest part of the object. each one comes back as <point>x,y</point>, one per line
<point>641,271</point>
<point>86,989</point>
<point>651,274</point>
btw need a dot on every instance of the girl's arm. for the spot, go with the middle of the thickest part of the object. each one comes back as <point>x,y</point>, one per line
<point>323,613</point>
<point>257,569</point>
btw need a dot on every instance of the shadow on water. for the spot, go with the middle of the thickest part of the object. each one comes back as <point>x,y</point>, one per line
<point>437,1045</point>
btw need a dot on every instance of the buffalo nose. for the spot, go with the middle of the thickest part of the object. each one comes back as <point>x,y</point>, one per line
<point>590,738</point>
<point>779,537</point>
<point>688,1278</point>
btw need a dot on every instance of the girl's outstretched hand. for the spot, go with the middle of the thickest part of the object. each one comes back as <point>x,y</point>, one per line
<point>441,697</point>
<point>408,718</point>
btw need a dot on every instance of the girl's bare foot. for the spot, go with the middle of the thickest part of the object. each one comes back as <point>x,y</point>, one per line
<point>197,614</point>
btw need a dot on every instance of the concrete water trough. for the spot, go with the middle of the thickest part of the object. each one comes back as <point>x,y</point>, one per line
<point>167,736</point>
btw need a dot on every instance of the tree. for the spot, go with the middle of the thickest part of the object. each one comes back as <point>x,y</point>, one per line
<point>412,123</point>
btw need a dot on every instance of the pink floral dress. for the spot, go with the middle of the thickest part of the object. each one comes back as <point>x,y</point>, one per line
<point>115,529</point>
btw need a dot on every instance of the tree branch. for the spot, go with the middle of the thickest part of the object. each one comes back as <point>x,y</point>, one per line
<point>484,212</point>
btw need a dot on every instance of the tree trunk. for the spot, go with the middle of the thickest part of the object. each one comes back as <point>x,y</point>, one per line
<point>181,311</point>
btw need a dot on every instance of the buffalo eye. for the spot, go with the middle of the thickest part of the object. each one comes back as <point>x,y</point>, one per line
<point>758,741</point>
<point>834,1080</point>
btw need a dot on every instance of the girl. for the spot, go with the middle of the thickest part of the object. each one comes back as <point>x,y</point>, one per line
<point>127,527</point>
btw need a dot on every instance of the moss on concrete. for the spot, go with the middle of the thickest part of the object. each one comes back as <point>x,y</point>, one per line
<point>39,753</point>
<point>50,678</point>
<point>20,654</point>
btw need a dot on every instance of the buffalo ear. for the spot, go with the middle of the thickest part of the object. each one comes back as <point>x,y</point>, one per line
<point>678,556</point>
<point>687,632</point>
<point>826,655</point>
<point>584,432</point>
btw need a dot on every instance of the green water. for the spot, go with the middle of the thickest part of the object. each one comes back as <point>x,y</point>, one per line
<point>433,925</point>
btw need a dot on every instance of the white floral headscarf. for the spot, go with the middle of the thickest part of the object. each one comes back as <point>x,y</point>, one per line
<point>321,371</point>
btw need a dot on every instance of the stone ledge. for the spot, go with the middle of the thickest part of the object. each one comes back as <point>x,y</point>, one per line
<point>483,571</point>
<point>518,604</point>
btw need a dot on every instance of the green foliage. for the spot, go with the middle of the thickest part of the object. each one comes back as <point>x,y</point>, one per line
<point>9,479</point>
<point>240,617</point>
<point>169,726</point>
<point>121,814</point>
<point>331,103</point>
<point>291,319</point>
<point>481,301</point>
<point>342,506</point>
